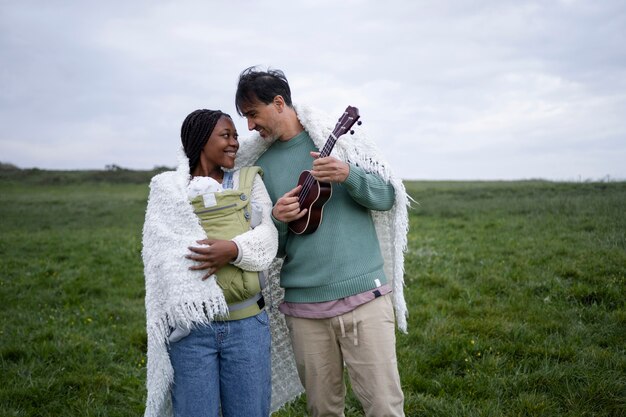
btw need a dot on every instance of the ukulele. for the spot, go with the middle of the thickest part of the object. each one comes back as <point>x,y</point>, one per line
<point>314,194</point>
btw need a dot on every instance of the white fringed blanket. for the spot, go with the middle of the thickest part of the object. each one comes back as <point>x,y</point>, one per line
<point>177,296</point>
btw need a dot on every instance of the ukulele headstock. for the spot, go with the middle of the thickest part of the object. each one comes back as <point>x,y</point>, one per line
<point>349,117</point>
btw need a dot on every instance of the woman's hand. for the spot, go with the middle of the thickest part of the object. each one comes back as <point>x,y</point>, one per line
<point>213,256</point>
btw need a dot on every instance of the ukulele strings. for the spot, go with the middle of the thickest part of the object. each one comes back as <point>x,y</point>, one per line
<point>309,181</point>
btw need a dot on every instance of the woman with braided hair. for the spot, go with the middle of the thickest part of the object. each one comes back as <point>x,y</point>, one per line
<point>208,332</point>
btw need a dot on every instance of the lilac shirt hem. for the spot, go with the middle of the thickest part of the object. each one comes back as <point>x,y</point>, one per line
<point>328,309</point>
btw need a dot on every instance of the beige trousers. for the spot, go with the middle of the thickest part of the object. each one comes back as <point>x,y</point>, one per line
<point>363,339</point>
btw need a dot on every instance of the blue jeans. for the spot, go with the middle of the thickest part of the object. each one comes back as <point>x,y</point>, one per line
<point>225,363</point>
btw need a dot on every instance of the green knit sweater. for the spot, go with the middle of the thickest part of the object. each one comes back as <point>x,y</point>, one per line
<point>342,257</point>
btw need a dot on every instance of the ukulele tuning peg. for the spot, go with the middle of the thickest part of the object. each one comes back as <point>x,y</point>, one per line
<point>359,123</point>
<point>352,132</point>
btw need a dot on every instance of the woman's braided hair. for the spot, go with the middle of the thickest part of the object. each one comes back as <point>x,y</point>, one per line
<point>195,132</point>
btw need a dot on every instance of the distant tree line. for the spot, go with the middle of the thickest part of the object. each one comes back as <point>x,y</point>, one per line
<point>5,166</point>
<point>111,173</point>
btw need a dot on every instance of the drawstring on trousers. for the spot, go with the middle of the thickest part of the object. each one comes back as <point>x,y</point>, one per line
<point>355,333</point>
<point>343,329</point>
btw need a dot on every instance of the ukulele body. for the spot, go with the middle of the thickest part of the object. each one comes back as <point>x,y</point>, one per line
<point>318,195</point>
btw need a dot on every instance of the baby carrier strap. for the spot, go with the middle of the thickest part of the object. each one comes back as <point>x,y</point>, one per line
<point>246,178</point>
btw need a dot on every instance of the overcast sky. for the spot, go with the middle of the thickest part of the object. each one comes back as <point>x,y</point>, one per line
<point>487,89</point>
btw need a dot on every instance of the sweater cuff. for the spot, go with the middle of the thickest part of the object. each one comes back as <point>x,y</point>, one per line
<point>356,176</point>
<point>282,227</point>
<point>239,253</point>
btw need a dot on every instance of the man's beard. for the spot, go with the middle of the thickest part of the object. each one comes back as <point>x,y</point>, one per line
<point>269,139</point>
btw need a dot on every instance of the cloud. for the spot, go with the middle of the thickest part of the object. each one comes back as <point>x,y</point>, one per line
<point>451,89</point>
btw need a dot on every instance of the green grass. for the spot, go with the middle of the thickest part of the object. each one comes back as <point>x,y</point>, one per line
<point>516,293</point>
<point>72,340</point>
<point>517,300</point>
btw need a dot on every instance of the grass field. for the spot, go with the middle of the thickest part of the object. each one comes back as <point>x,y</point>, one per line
<point>516,293</point>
